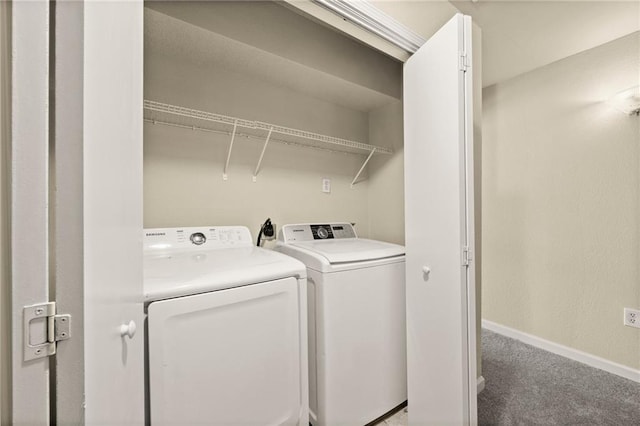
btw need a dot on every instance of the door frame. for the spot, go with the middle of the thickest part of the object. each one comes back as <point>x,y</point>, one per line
<point>29,217</point>
<point>76,217</point>
<point>68,241</point>
<point>29,209</point>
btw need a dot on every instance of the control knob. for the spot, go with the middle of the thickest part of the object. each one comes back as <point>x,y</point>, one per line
<point>322,233</point>
<point>198,238</point>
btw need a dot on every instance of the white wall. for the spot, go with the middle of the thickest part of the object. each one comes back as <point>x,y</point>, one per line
<point>561,203</point>
<point>5,158</point>
<point>183,169</point>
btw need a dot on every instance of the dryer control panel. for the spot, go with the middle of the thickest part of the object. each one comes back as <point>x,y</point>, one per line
<point>196,238</point>
<point>312,231</point>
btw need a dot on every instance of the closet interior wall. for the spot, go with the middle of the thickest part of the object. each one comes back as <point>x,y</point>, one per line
<point>227,58</point>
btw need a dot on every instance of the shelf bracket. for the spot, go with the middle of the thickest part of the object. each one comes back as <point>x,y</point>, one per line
<point>264,148</point>
<point>233,136</point>
<point>363,166</point>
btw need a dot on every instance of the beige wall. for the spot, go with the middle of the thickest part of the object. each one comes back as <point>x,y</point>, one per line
<point>561,203</point>
<point>386,175</point>
<point>5,137</point>
<point>183,169</point>
<point>273,28</point>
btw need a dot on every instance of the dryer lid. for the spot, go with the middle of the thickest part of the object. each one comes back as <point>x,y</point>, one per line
<point>351,249</point>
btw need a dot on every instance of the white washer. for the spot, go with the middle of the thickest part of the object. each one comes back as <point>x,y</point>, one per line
<point>227,329</point>
<point>357,334</point>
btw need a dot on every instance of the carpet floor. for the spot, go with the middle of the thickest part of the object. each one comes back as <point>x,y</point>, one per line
<point>529,386</point>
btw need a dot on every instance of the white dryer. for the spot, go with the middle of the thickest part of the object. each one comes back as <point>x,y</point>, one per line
<point>357,334</point>
<point>226,329</point>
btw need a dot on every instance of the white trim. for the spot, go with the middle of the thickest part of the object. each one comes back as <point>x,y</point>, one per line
<point>567,352</point>
<point>366,15</point>
<point>333,19</point>
<point>29,201</point>
<point>481,384</point>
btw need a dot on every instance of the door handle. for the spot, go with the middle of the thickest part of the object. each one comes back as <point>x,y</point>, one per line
<point>128,329</point>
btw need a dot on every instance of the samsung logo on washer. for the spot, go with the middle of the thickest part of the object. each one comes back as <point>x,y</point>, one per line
<point>155,234</point>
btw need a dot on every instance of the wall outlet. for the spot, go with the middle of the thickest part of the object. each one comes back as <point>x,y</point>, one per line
<point>632,317</point>
<point>326,185</point>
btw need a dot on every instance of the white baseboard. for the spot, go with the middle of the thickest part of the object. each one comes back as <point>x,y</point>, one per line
<point>480,384</point>
<point>565,351</point>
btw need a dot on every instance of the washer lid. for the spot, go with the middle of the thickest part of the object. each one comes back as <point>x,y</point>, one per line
<point>183,273</point>
<point>351,249</point>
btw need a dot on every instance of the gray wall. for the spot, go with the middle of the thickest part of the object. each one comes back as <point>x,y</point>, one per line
<point>561,203</point>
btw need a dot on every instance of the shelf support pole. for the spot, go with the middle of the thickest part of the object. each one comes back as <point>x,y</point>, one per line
<point>264,148</point>
<point>233,136</point>
<point>363,166</point>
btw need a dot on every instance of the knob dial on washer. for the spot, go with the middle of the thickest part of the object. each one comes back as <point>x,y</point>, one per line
<point>198,238</point>
<point>322,233</point>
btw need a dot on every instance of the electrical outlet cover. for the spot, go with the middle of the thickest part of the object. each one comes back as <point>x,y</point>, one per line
<point>326,185</point>
<point>632,317</point>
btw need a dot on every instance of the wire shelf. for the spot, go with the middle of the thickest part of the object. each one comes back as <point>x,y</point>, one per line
<point>177,116</point>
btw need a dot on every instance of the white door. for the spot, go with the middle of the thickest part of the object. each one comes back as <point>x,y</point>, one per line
<point>84,225</point>
<point>439,226</point>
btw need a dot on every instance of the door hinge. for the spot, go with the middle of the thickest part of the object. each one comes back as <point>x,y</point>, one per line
<point>464,62</point>
<point>42,328</point>
<point>467,256</point>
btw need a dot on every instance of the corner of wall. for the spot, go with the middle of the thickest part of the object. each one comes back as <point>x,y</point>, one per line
<point>386,175</point>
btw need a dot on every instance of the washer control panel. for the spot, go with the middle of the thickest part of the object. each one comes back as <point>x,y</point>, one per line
<point>196,238</point>
<point>310,232</point>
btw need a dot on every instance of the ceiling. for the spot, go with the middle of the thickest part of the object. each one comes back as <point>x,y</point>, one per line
<point>518,35</point>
